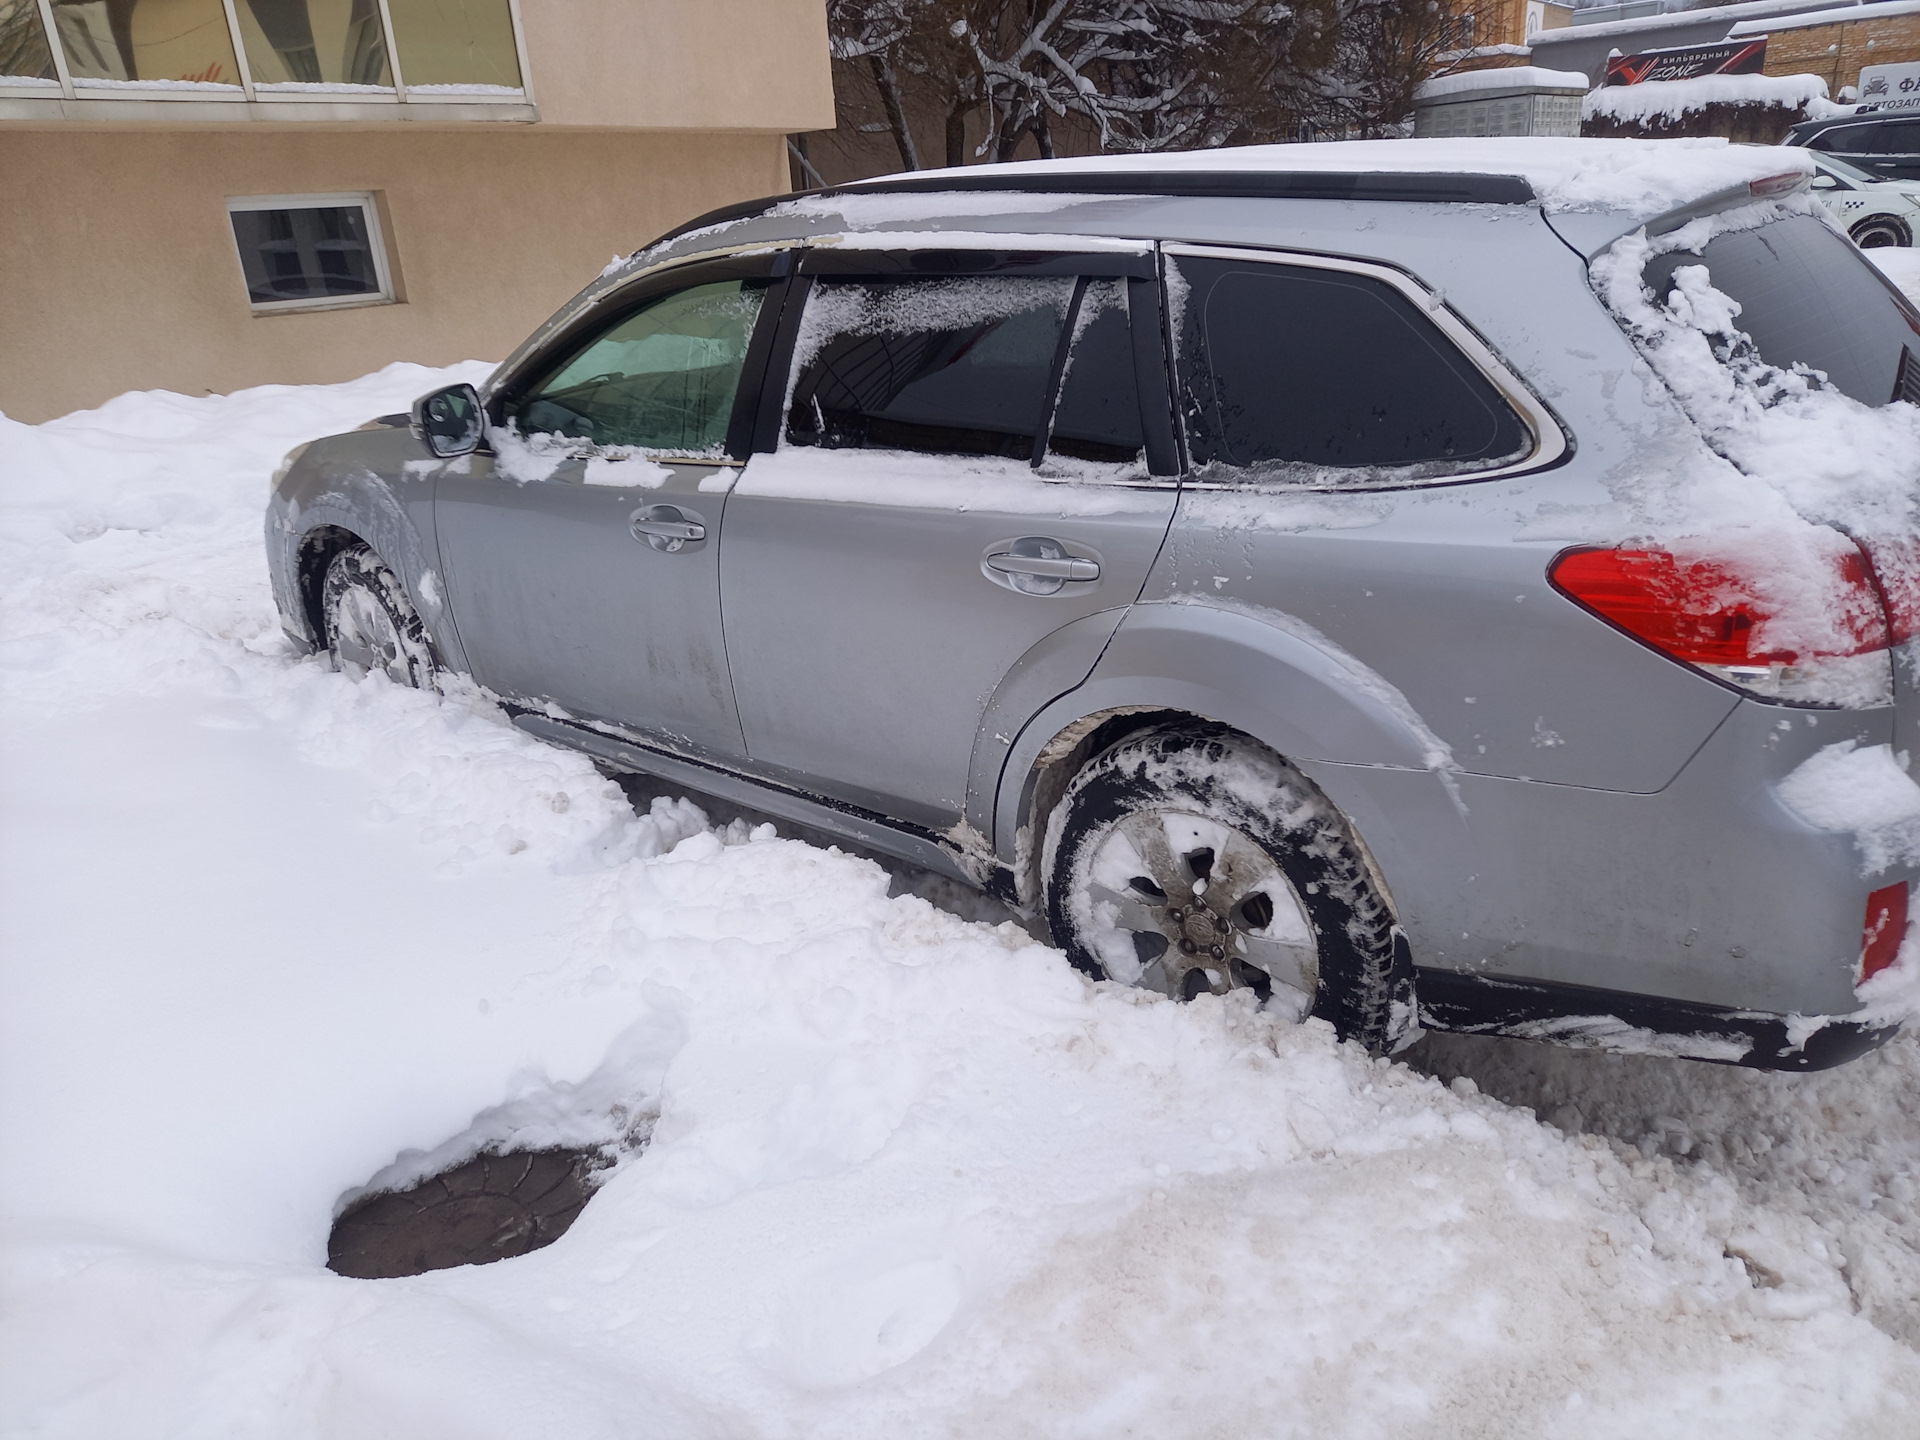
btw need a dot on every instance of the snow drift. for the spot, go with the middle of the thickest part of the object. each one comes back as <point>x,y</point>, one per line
<point>272,934</point>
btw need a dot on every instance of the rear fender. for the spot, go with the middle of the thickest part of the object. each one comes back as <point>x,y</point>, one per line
<point>1267,676</point>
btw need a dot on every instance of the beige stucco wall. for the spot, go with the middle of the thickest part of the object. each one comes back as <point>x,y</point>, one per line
<point>680,64</point>
<point>118,269</point>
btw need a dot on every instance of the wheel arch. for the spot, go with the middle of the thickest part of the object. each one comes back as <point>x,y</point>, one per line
<point>1206,667</point>
<point>315,553</point>
<point>1900,225</point>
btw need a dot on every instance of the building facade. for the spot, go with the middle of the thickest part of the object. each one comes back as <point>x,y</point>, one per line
<point>1837,44</point>
<point>200,195</point>
<point>1828,38</point>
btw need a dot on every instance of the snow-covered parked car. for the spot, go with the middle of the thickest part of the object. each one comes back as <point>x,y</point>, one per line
<point>1875,211</point>
<point>1458,584</point>
<point>1887,143</point>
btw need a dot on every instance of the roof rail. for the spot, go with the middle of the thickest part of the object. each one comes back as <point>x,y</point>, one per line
<point>1409,186</point>
<point>1415,186</point>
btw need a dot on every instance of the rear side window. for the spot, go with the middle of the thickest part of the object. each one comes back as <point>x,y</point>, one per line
<point>1896,137</point>
<point>1019,367</point>
<point>1098,416</point>
<point>1808,297</point>
<point>1321,377</point>
<point>944,367</point>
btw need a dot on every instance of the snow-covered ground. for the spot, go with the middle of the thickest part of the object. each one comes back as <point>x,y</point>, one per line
<point>1901,265</point>
<point>269,933</point>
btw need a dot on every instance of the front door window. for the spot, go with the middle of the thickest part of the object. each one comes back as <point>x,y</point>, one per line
<point>662,380</point>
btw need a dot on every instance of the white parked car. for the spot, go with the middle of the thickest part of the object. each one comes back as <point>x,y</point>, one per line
<point>1876,211</point>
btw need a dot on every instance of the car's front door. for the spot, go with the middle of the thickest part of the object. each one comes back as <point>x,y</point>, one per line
<point>581,554</point>
<point>964,465</point>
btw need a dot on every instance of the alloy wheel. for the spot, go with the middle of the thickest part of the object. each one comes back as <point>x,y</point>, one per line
<point>1205,906</point>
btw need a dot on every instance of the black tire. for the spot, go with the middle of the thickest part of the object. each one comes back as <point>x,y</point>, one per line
<point>370,622</point>
<point>1877,231</point>
<point>1175,783</point>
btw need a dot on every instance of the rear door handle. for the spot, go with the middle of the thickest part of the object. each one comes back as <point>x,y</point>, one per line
<point>1037,565</point>
<point>1071,567</point>
<point>667,527</point>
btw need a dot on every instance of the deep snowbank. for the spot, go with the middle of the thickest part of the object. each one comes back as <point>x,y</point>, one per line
<point>269,930</point>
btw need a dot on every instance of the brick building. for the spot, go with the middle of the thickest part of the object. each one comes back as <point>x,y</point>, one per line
<point>1837,44</point>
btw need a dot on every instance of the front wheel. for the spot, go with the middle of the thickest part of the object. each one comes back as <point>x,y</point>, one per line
<point>1194,862</point>
<point>371,624</point>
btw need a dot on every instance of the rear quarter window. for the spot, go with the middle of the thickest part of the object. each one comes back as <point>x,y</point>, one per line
<point>1808,297</point>
<point>1324,378</point>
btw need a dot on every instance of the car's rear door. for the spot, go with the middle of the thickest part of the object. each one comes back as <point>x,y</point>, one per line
<point>894,548</point>
<point>1889,149</point>
<point>1894,151</point>
<point>581,551</point>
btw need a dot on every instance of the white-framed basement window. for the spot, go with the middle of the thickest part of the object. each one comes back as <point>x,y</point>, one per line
<point>311,252</point>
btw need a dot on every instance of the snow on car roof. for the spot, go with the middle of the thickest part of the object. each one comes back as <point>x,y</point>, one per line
<point>1643,178</point>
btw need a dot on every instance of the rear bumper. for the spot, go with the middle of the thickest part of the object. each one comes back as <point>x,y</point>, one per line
<point>1639,1024</point>
<point>1706,908</point>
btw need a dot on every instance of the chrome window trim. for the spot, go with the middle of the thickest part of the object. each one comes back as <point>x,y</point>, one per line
<point>376,242</point>
<point>1551,444</point>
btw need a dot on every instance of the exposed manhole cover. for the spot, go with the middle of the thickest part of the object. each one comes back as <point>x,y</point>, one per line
<point>491,1208</point>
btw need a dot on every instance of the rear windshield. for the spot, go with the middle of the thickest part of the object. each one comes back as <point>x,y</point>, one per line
<point>1808,297</point>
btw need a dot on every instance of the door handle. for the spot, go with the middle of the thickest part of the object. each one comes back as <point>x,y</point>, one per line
<point>1070,567</point>
<point>1037,565</point>
<point>666,527</point>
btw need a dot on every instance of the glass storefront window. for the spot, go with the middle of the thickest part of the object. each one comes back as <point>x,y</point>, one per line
<point>455,43</point>
<point>442,48</point>
<point>294,44</point>
<point>146,42</point>
<point>23,43</point>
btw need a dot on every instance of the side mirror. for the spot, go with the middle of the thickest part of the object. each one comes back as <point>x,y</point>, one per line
<point>449,422</point>
<point>1825,182</point>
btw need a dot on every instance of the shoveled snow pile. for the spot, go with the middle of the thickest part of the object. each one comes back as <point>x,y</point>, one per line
<point>1669,100</point>
<point>1901,265</point>
<point>271,933</point>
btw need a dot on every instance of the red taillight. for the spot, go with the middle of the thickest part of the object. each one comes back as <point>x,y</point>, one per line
<point>1896,569</point>
<point>1789,632</point>
<point>1769,187</point>
<point>1886,928</point>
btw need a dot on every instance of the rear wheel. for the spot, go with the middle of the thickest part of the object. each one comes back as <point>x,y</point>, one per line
<point>371,624</point>
<point>1195,862</point>
<point>1881,230</point>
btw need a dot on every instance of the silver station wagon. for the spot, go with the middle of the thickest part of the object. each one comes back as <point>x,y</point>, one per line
<point>1217,561</point>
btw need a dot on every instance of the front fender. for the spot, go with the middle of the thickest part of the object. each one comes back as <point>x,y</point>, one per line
<point>377,485</point>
